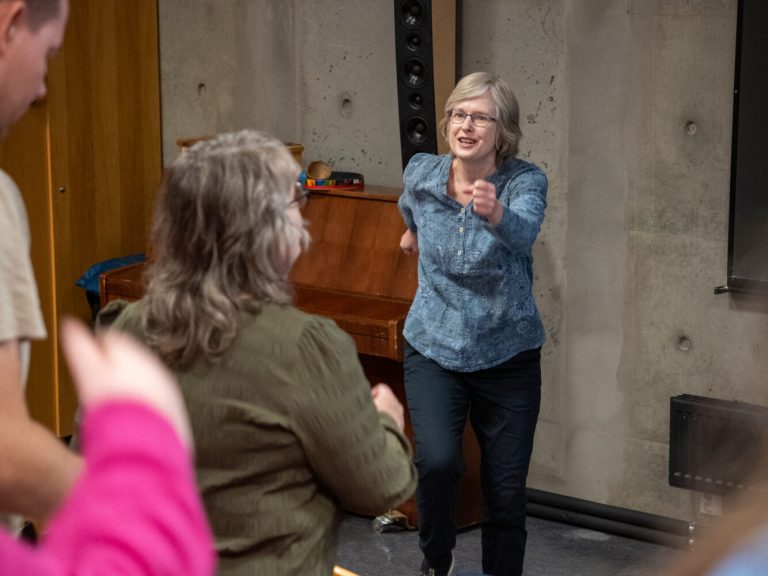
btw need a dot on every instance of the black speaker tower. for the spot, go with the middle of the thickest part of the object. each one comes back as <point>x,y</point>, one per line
<point>415,77</point>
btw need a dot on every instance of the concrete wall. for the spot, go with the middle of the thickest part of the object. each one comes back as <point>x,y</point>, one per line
<point>627,106</point>
<point>227,65</point>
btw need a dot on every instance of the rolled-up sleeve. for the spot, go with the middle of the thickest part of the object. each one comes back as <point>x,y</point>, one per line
<point>525,201</point>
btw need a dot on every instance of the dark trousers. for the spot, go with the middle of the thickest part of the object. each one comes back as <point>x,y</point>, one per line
<point>503,405</point>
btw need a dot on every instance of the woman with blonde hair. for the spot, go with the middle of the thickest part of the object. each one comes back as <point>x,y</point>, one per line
<point>288,431</point>
<point>473,334</point>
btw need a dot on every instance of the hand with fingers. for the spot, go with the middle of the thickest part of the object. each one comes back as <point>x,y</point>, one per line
<point>485,203</point>
<point>113,367</point>
<point>386,401</point>
<point>409,242</point>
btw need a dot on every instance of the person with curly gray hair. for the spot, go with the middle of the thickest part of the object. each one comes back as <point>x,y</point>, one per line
<point>288,430</point>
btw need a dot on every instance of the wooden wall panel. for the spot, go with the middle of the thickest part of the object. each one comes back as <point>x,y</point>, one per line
<point>88,161</point>
<point>444,58</point>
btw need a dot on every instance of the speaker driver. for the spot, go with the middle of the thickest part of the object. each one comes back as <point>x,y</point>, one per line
<point>416,101</point>
<point>413,42</point>
<point>414,72</point>
<point>412,13</point>
<point>417,131</point>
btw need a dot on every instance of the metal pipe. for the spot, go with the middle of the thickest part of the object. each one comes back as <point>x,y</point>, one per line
<point>606,525</point>
<point>622,521</point>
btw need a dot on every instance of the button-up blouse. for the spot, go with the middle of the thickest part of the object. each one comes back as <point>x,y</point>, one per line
<point>474,306</point>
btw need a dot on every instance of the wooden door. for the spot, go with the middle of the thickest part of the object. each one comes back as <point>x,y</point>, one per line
<point>100,149</point>
<point>106,147</point>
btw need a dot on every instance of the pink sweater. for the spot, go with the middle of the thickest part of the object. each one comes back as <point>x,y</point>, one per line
<point>135,510</point>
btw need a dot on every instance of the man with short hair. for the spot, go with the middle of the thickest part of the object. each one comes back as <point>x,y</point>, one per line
<point>36,469</point>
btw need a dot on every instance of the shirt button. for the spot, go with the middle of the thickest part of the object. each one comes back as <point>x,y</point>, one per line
<point>461,229</point>
<point>458,253</point>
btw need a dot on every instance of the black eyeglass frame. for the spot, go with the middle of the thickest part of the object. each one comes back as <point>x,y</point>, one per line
<point>301,196</point>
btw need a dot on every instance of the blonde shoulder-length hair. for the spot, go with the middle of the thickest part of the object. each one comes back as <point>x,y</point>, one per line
<point>507,110</point>
<point>219,238</point>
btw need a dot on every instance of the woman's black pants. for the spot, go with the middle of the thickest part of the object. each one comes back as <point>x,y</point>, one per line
<point>503,405</point>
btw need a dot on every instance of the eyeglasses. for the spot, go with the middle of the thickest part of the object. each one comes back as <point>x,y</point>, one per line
<point>478,120</point>
<point>300,198</point>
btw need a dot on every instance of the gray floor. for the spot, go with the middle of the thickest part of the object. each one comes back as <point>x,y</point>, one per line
<point>553,550</point>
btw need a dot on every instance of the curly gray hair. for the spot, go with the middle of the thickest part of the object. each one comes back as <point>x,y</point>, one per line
<point>219,235</point>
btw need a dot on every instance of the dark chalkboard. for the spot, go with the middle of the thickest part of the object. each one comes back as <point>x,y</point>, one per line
<point>748,234</point>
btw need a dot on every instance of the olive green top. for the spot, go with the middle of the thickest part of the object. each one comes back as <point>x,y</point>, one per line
<point>286,436</point>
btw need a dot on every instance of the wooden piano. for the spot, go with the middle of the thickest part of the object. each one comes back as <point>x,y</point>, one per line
<point>355,273</point>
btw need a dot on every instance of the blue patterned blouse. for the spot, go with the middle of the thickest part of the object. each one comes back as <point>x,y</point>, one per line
<point>474,306</point>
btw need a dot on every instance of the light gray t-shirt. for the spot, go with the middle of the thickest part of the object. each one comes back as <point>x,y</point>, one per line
<point>20,315</point>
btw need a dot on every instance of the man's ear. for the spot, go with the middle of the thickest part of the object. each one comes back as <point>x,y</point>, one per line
<point>11,16</point>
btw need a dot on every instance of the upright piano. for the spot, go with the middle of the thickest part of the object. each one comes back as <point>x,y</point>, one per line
<point>355,273</point>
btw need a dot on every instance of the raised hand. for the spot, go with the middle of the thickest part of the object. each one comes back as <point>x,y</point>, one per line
<point>386,401</point>
<point>484,201</point>
<point>114,367</point>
